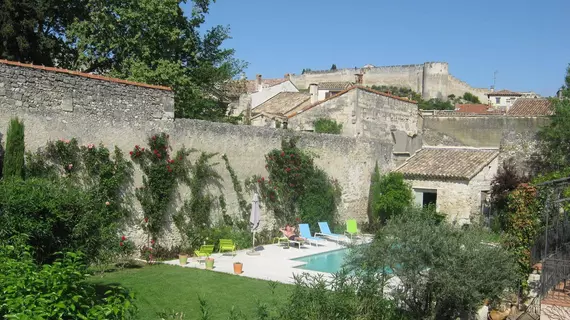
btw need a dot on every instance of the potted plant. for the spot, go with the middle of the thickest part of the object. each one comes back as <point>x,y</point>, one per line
<point>209,263</point>
<point>183,258</point>
<point>238,266</point>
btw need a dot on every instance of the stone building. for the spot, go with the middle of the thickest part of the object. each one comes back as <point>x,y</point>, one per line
<point>457,180</point>
<point>430,79</point>
<point>503,99</point>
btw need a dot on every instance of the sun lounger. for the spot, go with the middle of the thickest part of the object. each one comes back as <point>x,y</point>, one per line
<point>326,232</point>
<point>305,232</point>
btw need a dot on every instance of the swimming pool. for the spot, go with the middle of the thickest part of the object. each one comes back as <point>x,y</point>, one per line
<point>330,262</point>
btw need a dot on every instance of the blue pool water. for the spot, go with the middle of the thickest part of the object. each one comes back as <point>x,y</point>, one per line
<point>330,262</point>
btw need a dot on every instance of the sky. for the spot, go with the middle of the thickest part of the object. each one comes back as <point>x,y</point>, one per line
<point>526,41</point>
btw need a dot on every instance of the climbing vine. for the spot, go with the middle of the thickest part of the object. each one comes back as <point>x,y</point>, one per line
<point>244,206</point>
<point>296,190</point>
<point>193,219</point>
<point>522,225</point>
<point>161,176</point>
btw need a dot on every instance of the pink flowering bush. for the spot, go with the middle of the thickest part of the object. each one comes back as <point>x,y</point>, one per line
<point>295,190</point>
<point>162,172</point>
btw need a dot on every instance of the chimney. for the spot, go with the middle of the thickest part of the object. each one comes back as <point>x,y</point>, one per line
<point>314,91</point>
<point>258,82</point>
<point>288,76</point>
<point>358,78</point>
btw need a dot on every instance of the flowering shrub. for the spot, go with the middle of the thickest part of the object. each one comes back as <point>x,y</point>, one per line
<point>161,176</point>
<point>296,190</point>
<point>97,203</point>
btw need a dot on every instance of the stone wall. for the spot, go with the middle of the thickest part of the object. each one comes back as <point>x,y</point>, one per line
<point>363,114</point>
<point>458,88</point>
<point>520,147</point>
<point>118,114</point>
<point>41,88</point>
<point>476,131</point>
<point>431,79</point>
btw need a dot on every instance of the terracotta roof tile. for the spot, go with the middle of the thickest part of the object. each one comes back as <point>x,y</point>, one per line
<point>504,93</point>
<point>336,86</point>
<point>528,107</point>
<point>85,75</point>
<point>251,85</point>
<point>474,108</point>
<point>282,103</point>
<point>447,163</point>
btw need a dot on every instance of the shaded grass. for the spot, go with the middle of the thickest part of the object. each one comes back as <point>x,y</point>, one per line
<point>163,288</point>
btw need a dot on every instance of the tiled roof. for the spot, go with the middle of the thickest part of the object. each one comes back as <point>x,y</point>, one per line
<point>528,107</point>
<point>473,108</point>
<point>447,163</point>
<point>283,102</point>
<point>297,110</point>
<point>504,93</point>
<point>251,85</point>
<point>85,75</point>
<point>336,86</point>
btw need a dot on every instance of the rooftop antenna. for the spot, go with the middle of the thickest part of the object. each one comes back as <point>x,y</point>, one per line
<point>495,78</point>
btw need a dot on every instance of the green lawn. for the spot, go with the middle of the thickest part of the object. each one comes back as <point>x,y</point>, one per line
<point>171,288</point>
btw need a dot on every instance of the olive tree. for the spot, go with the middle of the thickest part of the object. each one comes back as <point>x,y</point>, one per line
<point>434,270</point>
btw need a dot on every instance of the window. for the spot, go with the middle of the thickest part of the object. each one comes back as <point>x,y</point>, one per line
<point>498,100</point>
<point>425,197</point>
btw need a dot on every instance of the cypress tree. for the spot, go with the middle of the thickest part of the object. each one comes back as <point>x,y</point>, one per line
<point>1,156</point>
<point>14,156</point>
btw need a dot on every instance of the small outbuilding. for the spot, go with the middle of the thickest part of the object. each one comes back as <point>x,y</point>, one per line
<point>457,180</point>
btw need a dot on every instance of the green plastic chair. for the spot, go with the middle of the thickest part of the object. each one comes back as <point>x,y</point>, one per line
<point>205,250</point>
<point>227,245</point>
<point>351,228</point>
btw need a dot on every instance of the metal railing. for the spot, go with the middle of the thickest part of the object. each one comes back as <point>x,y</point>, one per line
<point>554,272</point>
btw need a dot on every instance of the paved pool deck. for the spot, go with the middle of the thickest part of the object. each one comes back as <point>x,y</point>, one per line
<point>273,263</point>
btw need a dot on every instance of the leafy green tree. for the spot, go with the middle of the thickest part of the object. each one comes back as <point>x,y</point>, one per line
<point>154,42</point>
<point>554,141</point>
<point>32,30</point>
<point>324,125</point>
<point>469,97</point>
<point>435,270</point>
<point>390,195</point>
<point>435,104</point>
<point>15,149</point>
<point>333,67</point>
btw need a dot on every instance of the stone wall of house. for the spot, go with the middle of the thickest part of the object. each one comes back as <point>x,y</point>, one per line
<point>342,109</point>
<point>476,131</point>
<point>122,115</point>
<point>460,201</point>
<point>431,79</point>
<point>363,114</point>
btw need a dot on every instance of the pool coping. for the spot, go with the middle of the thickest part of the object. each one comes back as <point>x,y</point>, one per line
<point>273,263</point>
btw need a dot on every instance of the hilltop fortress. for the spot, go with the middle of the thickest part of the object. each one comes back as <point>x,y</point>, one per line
<point>431,79</point>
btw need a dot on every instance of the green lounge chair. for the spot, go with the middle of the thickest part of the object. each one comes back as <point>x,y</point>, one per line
<point>227,245</point>
<point>351,228</point>
<point>205,251</point>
